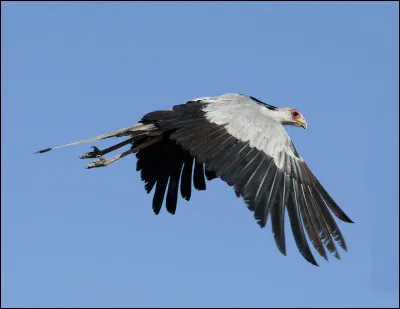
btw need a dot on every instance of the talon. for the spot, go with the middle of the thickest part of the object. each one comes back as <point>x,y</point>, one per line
<point>95,164</point>
<point>92,154</point>
<point>87,155</point>
<point>99,163</point>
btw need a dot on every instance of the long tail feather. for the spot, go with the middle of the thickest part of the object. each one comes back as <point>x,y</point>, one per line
<point>130,131</point>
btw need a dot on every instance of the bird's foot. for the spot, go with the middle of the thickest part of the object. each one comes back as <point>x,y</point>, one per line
<point>96,153</point>
<point>100,162</point>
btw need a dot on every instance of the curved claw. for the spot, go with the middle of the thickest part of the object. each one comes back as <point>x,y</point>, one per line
<point>96,153</point>
<point>87,155</point>
<point>99,163</point>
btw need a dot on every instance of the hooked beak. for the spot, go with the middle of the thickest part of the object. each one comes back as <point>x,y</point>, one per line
<point>302,123</point>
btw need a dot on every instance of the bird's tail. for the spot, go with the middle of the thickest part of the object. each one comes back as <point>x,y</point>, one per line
<point>135,130</point>
<point>147,134</point>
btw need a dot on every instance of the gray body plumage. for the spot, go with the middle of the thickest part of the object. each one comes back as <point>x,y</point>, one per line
<point>242,141</point>
<point>250,122</point>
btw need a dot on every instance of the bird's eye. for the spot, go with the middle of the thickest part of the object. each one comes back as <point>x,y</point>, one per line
<point>295,114</point>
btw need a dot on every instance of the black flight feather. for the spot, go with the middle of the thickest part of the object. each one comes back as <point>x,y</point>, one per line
<point>264,104</point>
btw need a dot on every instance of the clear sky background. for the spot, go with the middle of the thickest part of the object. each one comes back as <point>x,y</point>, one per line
<point>76,237</point>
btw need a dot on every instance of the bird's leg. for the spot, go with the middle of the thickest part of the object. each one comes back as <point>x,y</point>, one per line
<point>104,162</point>
<point>96,153</point>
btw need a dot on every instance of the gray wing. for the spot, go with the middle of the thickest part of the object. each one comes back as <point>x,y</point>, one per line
<point>235,139</point>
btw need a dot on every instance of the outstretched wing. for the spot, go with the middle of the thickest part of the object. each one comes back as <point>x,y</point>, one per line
<point>236,139</point>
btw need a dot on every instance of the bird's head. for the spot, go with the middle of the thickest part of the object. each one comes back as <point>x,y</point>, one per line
<point>291,116</point>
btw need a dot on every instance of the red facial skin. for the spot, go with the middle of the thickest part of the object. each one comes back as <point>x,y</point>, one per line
<point>295,114</point>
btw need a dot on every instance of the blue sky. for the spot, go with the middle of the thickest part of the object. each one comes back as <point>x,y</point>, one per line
<point>76,237</point>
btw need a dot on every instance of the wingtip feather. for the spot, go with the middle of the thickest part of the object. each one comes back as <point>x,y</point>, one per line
<point>312,261</point>
<point>282,248</point>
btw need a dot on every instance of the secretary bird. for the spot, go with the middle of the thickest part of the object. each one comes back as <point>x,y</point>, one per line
<point>242,141</point>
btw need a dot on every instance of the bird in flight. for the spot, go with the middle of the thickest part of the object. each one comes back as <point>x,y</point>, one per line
<point>242,141</point>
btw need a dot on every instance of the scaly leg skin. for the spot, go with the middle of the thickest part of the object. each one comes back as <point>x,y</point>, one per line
<point>103,162</point>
